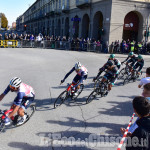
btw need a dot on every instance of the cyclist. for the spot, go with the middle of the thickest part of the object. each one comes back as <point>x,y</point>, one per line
<point>82,74</point>
<point>146,79</point>
<point>25,96</point>
<point>116,62</point>
<point>111,74</point>
<point>139,64</point>
<point>131,59</point>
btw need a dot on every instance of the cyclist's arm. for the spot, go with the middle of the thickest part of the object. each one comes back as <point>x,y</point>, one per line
<point>140,68</point>
<point>73,69</point>
<point>100,71</point>
<point>4,93</point>
<point>2,96</point>
<point>126,59</point>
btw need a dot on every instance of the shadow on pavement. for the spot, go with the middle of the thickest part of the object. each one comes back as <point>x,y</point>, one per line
<point>112,128</point>
<point>81,141</point>
<point>26,146</point>
<point>118,109</point>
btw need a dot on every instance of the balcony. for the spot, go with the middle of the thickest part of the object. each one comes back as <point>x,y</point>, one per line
<point>57,11</point>
<point>65,9</point>
<point>83,3</point>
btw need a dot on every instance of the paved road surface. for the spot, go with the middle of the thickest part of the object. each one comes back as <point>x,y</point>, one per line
<point>43,69</point>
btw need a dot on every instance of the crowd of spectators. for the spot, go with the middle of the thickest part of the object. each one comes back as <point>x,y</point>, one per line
<point>84,44</point>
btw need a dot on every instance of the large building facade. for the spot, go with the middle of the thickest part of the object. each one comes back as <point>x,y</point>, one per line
<point>107,20</point>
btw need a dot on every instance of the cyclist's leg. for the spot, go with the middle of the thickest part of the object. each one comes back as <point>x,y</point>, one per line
<point>84,78</point>
<point>134,70</point>
<point>25,104</point>
<point>76,79</point>
<point>105,78</point>
<point>112,83</point>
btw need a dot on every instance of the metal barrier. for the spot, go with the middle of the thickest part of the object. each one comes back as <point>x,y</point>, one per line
<point>47,44</point>
<point>8,43</point>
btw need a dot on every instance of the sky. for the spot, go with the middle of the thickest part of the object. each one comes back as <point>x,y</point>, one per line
<point>14,8</point>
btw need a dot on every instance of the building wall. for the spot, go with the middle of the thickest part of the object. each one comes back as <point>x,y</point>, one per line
<point>38,17</point>
<point>119,10</point>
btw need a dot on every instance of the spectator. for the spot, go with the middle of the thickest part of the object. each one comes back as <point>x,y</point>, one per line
<point>98,46</point>
<point>141,134</point>
<point>1,37</point>
<point>111,50</point>
<point>146,79</point>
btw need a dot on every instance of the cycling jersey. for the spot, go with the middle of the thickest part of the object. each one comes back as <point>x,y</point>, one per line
<point>24,92</point>
<point>139,65</point>
<point>82,74</point>
<point>117,62</point>
<point>132,60</point>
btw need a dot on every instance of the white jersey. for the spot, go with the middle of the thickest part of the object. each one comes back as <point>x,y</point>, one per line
<point>83,69</point>
<point>145,81</point>
<point>27,90</point>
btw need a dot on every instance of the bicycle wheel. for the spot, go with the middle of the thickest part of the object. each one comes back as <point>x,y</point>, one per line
<point>126,80</point>
<point>79,91</point>
<point>91,97</point>
<point>121,74</point>
<point>60,100</point>
<point>29,112</point>
<point>2,125</point>
<point>96,84</point>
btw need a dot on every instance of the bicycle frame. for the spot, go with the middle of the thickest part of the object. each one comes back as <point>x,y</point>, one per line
<point>5,114</point>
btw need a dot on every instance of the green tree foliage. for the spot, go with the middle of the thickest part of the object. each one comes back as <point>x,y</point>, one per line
<point>4,21</point>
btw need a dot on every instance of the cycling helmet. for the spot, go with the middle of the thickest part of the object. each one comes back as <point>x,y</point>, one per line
<point>140,57</point>
<point>110,63</point>
<point>131,54</point>
<point>78,65</point>
<point>112,56</point>
<point>15,82</point>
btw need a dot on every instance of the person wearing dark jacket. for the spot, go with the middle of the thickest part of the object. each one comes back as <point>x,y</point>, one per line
<point>140,138</point>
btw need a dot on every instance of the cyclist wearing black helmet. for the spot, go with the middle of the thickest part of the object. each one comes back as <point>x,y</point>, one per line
<point>116,63</point>
<point>139,64</point>
<point>131,59</point>
<point>111,74</point>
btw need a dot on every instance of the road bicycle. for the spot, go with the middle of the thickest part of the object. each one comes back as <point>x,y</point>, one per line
<point>68,93</point>
<point>15,119</point>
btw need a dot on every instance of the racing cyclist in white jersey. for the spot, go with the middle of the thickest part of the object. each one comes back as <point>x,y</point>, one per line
<point>25,96</point>
<point>82,74</point>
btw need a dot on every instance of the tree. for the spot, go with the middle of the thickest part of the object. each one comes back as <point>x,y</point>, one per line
<point>4,21</point>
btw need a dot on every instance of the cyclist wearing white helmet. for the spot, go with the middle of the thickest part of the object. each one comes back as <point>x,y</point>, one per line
<point>25,96</point>
<point>82,74</point>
